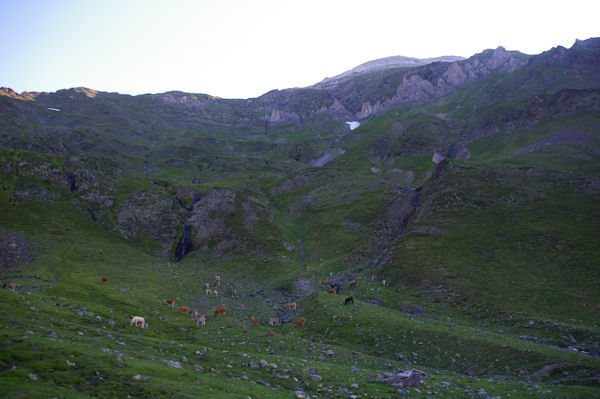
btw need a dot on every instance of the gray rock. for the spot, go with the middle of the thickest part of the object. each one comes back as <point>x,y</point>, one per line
<point>404,379</point>
<point>301,395</point>
<point>174,364</point>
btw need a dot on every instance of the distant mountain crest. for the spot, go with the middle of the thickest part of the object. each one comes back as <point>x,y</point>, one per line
<point>380,64</point>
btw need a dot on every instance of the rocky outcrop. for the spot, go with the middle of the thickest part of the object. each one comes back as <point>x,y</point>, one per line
<point>14,250</point>
<point>367,109</point>
<point>280,116</point>
<point>151,213</point>
<point>426,83</point>
<point>207,217</point>
<point>408,378</point>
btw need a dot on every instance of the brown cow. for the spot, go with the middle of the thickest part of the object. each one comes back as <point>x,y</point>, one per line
<point>321,281</point>
<point>9,285</point>
<point>291,305</point>
<point>300,322</point>
<point>183,309</point>
<point>254,321</point>
<point>104,280</point>
<point>232,291</point>
<point>170,303</point>
<point>220,310</point>
<point>331,291</point>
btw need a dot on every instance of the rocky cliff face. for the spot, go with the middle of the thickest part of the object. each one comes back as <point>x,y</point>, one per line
<point>425,83</point>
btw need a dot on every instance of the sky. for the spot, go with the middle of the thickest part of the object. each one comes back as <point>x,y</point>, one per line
<point>242,49</point>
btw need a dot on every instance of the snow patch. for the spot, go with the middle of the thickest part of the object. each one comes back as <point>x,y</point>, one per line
<point>353,125</point>
<point>54,109</point>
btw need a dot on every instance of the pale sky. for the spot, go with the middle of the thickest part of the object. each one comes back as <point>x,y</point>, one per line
<point>242,49</point>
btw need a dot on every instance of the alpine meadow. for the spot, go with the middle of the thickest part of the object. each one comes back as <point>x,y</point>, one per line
<point>409,228</point>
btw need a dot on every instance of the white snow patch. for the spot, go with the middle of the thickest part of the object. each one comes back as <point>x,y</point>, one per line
<point>353,125</point>
<point>54,109</point>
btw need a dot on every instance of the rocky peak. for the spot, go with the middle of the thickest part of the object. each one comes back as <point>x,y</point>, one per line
<point>381,64</point>
<point>8,92</point>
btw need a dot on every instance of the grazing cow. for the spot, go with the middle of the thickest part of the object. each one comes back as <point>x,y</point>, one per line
<point>331,291</point>
<point>220,310</point>
<point>170,303</point>
<point>384,283</point>
<point>183,309</point>
<point>215,293</point>
<point>9,285</point>
<point>193,313</point>
<point>254,321</point>
<point>208,291</point>
<point>300,322</point>
<point>137,320</point>
<point>200,318</point>
<point>273,321</point>
<point>348,300</point>
<point>291,305</point>
<point>217,281</point>
<point>321,281</point>
<point>232,291</point>
<point>104,280</point>
<point>354,283</point>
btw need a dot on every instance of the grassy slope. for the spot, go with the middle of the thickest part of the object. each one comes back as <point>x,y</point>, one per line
<point>494,282</point>
<point>457,335</point>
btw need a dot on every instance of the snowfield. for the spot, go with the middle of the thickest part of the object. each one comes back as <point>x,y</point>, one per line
<point>353,125</point>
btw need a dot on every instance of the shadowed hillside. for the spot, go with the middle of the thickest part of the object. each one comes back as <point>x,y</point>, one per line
<point>461,217</point>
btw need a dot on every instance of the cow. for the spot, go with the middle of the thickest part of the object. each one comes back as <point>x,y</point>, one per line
<point>137,320</point>
<point>232,291</point>
<point>215,293</point>
<point>384,283</point>
<point>217,281</point>
<point>208,290</point>
<point>300,322</point>
<point>201,318</point>
<point>104,280</point>
<point>348,300</point>
<point>353,283</point>
<point>193,313</point>
<point>291,305</point>
<point>9,285</point>
<point>254,321</point>
<point>331,291</point>
<point>273,321</point>
<point>321,281</point>
<point>220,310</point>
<point>170,303</point>
<point>183,309</point>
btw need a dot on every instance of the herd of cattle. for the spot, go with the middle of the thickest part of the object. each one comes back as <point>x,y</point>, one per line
<point>201,318</point>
